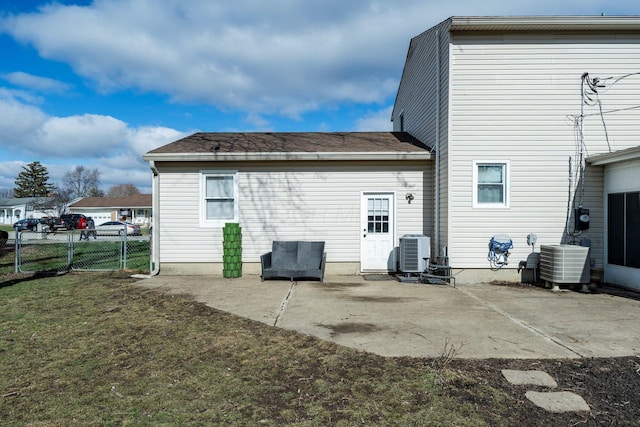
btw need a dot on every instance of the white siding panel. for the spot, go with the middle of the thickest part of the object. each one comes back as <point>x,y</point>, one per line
<point>304,202</point>
<point>417,100</point>
<point>515,100</point>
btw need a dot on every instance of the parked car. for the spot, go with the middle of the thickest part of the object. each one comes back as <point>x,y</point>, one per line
<point>27,224</point>
<point>117,228</point>
<point>68,221</point>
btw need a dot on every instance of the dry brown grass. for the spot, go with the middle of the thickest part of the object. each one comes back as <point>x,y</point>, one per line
<point>95,349</point>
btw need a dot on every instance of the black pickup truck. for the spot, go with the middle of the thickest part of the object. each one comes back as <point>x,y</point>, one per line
<point>67,221</point>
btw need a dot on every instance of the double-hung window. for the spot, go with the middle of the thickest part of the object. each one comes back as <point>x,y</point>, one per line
<point>219,194</point>
<point>490,184</point>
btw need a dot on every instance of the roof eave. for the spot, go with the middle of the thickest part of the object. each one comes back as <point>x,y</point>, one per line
<point>614,157</point>
<point>262,157</point>
<point>545,23</point>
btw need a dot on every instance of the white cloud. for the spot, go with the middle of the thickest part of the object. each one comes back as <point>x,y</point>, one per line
<point>87,135</point>
<point>247,55</point>
<point>18,95</point>
<point>124,169</point>
<point>375,121</point>
<point>38,83</point>
<point>9,172</point>
<point>147,138</point>
<point>258,122</point>
<point>283,57</point>
<point>90,140</point>
<point>19,124</point>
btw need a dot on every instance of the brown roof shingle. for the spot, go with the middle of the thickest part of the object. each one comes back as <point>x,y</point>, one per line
<point>134,201</point>
<point>293,142</point>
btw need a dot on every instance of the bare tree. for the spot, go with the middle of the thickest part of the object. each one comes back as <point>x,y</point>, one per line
<point>56,204</point>
<point>96,192</point>
<point>81,182</point>
<point>6,193</point>
<point>123,190</point>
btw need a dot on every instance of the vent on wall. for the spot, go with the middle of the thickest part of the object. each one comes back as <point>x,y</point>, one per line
<point>565,264</point>
<point>415,251</point>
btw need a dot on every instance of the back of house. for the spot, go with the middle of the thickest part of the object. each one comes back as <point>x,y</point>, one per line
<point>515,106</point>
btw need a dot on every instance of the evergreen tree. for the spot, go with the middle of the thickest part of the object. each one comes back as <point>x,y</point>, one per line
<point>33,181</point>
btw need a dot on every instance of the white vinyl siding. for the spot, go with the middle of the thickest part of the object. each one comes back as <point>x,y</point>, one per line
<point>307,201</point>
<point>417,102</point>
<point>514,97</point>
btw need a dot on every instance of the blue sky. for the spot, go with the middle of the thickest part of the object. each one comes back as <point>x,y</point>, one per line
<point>99,83</point>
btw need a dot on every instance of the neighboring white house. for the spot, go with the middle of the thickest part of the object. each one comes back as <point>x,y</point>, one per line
<point>135,208</point>
<point>512,106</point>
<point>17,208</point>
<point>510,109</point>
<point>358,192</point>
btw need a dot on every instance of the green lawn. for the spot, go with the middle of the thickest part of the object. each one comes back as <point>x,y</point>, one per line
<point>95,349</point>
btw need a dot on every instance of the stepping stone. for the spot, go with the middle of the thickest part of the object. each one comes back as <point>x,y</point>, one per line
<point>540,378</point>
<point>562,401</point>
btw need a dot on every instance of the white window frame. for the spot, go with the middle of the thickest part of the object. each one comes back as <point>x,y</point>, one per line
<point>506,168</point>
<point>204,174</point>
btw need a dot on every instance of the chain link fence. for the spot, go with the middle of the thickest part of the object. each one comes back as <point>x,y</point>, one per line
<point>64,251</point>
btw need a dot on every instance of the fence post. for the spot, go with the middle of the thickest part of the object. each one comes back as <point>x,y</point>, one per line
<point>70,250</point>
<point>124,250</point>
<point>16,252</point>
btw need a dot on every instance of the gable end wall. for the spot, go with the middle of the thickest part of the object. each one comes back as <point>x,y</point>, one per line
<point>512,98</point>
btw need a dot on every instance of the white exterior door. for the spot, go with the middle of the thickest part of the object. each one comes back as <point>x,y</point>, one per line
<point>377,232</point>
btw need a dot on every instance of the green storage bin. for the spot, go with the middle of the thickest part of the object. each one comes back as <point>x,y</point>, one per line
<point>232,250</point>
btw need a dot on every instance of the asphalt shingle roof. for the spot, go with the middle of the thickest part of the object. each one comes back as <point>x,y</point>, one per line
<point>134,201</point>
<point>294,142</point>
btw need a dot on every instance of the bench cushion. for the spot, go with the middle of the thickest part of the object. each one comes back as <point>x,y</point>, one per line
<point>284,255</point>
<point>310,255</point>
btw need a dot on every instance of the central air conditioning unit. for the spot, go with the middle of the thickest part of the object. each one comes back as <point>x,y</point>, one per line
<point>569,264</point>
<point>415,251</point>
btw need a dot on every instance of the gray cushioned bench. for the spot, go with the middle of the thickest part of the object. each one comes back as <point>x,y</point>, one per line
<point>294,260</point>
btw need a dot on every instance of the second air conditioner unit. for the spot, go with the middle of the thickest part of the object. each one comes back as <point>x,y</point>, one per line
<point>415,251</point>
<point>569,264</point>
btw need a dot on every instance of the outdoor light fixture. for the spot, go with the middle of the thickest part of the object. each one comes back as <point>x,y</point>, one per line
<point>409,197</point>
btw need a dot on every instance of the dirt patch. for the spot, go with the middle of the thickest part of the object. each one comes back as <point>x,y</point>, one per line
<point>378,277</point>
<point>336,286</point>
<point>377,299</point>
<point>351,328</point>
<point>514,284</point>
<point>608,385</point>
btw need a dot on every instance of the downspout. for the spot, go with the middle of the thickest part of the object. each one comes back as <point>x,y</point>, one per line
<point>437,148</point>
<point>155,230</point>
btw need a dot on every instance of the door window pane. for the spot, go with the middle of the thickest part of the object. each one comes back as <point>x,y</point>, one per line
<point>378,215</point>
